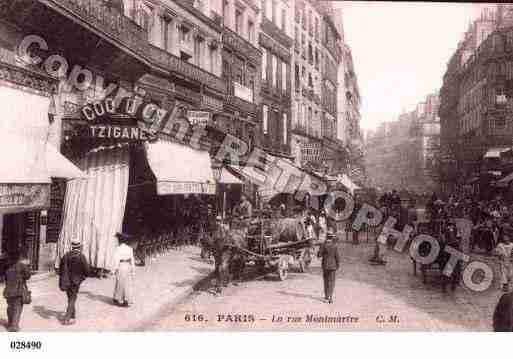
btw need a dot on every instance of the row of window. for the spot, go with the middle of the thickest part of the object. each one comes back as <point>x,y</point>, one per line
<point>273,13</point>
<point>311,22</point>
<point>307,118</point>
<point>301,77</point>
<point>249,34</point>
<point>274,70</point>
<point>175,37</point>
<point>271,124</point>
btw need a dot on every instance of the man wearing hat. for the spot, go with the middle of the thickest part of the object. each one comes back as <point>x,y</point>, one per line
<point>221,269</point>
<point>73,270</point>
<point>330,264</point>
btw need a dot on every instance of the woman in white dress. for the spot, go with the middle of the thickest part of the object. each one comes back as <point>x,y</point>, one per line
<point>124,267</point>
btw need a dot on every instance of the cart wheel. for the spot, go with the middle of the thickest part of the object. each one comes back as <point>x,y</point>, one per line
<point>283,269</point>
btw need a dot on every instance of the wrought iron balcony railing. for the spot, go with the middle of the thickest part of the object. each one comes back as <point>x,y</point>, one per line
<point>108,21</point>
<point>178,66</point>
<point>129,35</point>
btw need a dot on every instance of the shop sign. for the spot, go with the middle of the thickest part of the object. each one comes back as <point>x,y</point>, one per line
<point>23,197</point>
<point>243,92</point>
<point>164,188</point>
<point>312,152</point>
<point>118,132</point>
<point>198,118</point>
<point>105,121</point>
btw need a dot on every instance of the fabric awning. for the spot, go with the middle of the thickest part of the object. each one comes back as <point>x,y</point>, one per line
<point>346,182</point>
<point>496,152</point>
<point>180,169</point>
<point>503,182</point>
<point>283,176</point>
<point>59,166</point>
<point>228,178</point>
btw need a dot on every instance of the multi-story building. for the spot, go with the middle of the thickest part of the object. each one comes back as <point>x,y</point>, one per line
<point>314,107</point>
<point>403,154</point>
<point>275,42</point>
<point>165,52</point>
<point>476,97</point>
<point>242,63</point>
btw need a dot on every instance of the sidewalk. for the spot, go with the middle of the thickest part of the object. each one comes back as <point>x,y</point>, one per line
<point>160,284</point>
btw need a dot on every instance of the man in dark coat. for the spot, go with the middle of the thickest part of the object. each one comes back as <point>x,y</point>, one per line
<point>330,264</point>
<point>73,270</point>
<point>503,314</point>
<point>16,276</point>
<point>221,255</point>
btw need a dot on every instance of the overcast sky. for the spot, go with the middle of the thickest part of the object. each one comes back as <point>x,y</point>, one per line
<point>400,51</point>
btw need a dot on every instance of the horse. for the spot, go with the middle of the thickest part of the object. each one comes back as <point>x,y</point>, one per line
<point>448,238</point>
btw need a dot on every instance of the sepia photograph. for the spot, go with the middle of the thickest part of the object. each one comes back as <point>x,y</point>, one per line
<point>255,165</point>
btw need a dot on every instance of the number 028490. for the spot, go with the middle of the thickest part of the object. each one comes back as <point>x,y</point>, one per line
<point>26,345</point>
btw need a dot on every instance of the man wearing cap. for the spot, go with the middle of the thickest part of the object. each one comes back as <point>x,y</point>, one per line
<point>330,264</point>
<point>73,270</point>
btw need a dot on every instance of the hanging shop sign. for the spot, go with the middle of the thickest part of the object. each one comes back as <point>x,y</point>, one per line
<point>198,118</point>
<point>105,121</point>
<point>23,197</point>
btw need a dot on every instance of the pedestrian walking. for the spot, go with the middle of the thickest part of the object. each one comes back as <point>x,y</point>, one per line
<point>16,292</point>
<point>505,251</point>
<point>221,256</point>
<point>73,270</point>
<point>124,266</point>
<point>330,264</point>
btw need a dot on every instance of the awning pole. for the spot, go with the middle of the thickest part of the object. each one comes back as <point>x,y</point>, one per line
<point>224,203</point>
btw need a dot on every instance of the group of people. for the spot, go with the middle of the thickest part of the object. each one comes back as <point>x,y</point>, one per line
<point>73,270</point>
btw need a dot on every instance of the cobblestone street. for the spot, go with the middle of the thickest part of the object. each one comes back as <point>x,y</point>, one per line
<point>376,297</point>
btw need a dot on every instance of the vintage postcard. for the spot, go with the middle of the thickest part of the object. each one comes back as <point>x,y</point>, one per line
<point>255,165</point>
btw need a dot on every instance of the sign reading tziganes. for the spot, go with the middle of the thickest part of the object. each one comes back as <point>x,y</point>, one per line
<point>105,121</point>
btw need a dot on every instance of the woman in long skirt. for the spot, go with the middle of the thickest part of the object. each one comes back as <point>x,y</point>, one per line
<point>124,271</point>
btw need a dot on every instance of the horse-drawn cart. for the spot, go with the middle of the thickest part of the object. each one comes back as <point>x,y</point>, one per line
<point>276,245</point>
<point>444,237</point>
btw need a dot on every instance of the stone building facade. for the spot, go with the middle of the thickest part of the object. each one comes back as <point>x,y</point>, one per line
<point>475,109</point>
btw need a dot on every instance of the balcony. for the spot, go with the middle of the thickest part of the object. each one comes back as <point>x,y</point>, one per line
<point>241,46</point>
<point>182,68</point>
<point>235,103</point>
<point>94,13</point>
<point>266,41</point>
<point>276,33</point>
<point>77,26</point>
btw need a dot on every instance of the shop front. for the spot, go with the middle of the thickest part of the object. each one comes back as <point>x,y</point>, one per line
<point>140,184</point>
<point>29,163</point>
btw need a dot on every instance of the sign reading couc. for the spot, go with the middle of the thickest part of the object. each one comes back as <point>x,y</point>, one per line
<point>106,121</point>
